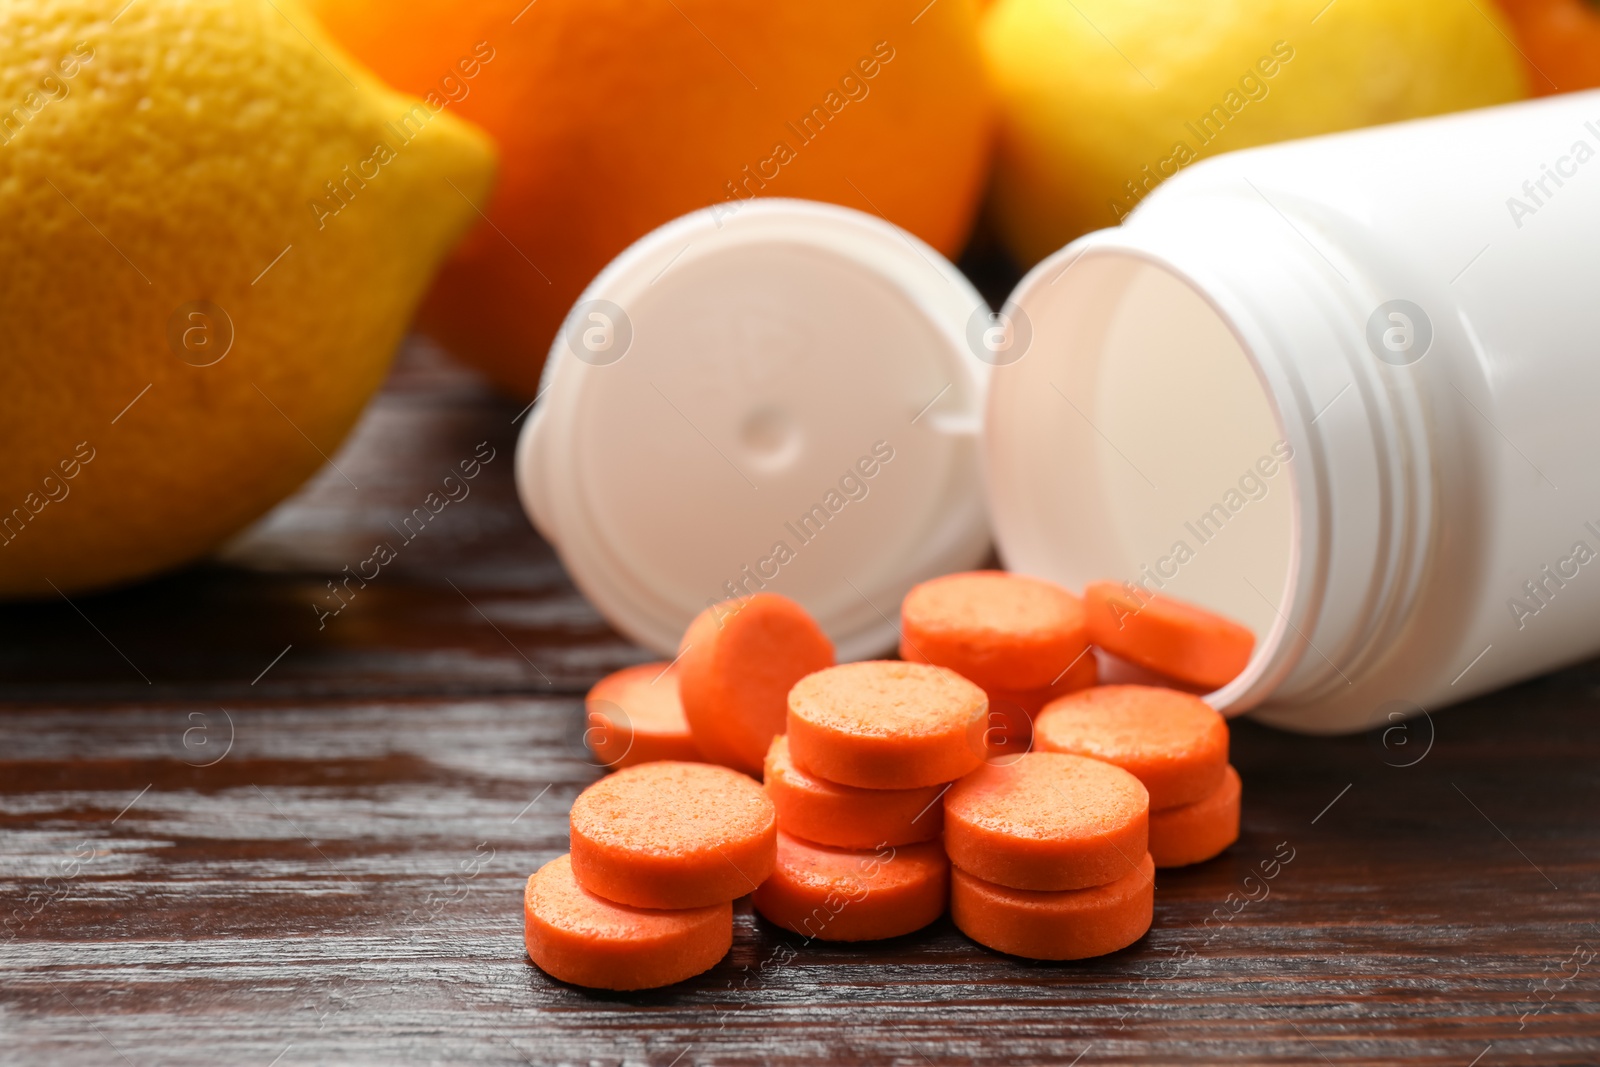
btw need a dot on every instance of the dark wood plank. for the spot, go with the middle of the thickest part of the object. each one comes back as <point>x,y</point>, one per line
<point>324,863</point>
<point>469,596</point>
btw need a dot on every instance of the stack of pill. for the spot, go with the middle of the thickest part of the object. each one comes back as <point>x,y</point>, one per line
<point>1050,851</point>
<point>662,848</point>
<point>645,898</point>
<point>856,782</point>
<point>986,772</point>
<point>1174,743</point>
<point>1025,641</point>
<point>1051,858</point>
<point>1004,630</point>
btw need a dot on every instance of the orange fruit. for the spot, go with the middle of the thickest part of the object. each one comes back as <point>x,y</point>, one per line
<point>615,116</point>
<point>1560,42</point>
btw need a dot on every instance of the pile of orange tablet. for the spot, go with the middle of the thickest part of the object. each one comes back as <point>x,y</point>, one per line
<point>985,773</point>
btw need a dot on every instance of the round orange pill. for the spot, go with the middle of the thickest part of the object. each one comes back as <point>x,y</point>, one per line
<point>673,835</point>
<point>634,716</point>
<point>835,894</point>
<point>884,724</point>
<point>1047,821</point>
<point>1082,673</point>
<point>1070,925</point>
<point>1175,743</point>
<point>578,937</point>
<point>1200,831</point>
<point>1009,721</point>
<point>1002,631</point>
<point>1173,638</point>
<point>736,664</point>
<point>843,815</point>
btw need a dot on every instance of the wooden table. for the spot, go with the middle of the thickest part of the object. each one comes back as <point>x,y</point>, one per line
<point>231,836</point>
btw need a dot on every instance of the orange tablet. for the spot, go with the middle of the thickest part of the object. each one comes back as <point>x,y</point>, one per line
<point>844,816</point>
<point>736,664</point>
<point>673,835</point>
<point>578,937</point>
<point>1070,925</point>
<point>886,725</point>
<point>1007,728</point>
<point>835,894</point>
<point>1200,831</point>
<point>1009,724</point>
<point>1175,743</point>
<point>1081,674</point>
<point>634,716</point>
<point>1182,641</point>
<point>1047,821</point>
<point>1002,631</point>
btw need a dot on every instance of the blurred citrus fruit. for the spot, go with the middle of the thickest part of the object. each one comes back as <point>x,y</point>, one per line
<point>1101,99</point>
<point>1560,39</point>
<point>216,228</point>
<point>614,116</point>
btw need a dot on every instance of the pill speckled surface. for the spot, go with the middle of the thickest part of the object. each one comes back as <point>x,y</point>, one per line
<point>1047,821</point>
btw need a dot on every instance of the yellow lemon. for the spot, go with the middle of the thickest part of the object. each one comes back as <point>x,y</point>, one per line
<point>1102,99</point>
<point>217,226</point>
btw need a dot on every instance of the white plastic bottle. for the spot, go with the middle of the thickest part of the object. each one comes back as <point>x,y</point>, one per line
<point>1346,390</point>
<point>1409,311</point>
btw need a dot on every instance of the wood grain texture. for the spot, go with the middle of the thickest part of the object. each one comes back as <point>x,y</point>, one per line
<point>213,850</point>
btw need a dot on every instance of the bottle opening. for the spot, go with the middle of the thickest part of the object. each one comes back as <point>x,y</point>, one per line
<point>1135,441</point>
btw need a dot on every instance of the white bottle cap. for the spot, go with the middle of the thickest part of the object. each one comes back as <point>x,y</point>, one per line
<point>771,395</point>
